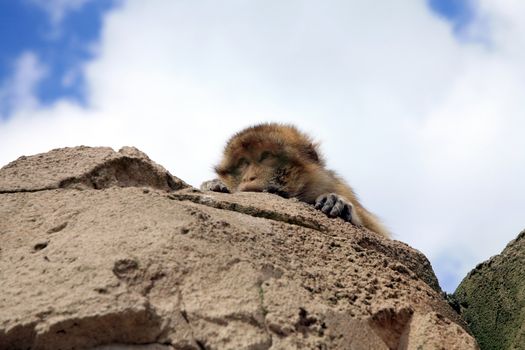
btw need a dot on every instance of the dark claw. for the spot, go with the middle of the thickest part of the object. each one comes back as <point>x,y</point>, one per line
<point>319,202</point>
<point>337,209</point>
<point>347,213</point>
<point>329,204</point>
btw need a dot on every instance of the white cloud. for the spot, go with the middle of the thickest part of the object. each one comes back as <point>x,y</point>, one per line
<point>473,150</point>
<point>424,127</point>
<point>18,92</point>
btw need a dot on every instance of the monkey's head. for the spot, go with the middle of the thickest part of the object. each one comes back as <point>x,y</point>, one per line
<point>270,157</point>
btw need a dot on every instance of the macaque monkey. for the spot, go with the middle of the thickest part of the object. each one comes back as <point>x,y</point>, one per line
<point>280,159</point>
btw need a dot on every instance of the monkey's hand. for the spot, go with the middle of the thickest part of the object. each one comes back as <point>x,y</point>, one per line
<point>334,205</point>
<point>214,185</point>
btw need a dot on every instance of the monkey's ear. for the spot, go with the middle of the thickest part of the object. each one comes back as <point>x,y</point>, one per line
<point>221,171</point>
<point>312,153</point>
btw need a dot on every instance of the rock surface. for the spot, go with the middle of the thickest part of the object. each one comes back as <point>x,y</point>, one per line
<point>106,250</point>
<point>492,298</point>
<point>85,168</point>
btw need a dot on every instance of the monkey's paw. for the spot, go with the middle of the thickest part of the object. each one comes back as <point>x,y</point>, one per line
<point>334,206</point>
<point>214,185</point>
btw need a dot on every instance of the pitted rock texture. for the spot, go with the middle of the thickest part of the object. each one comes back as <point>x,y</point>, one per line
<point>85,167</point>
<point>492,298</point>
<point>116,267</point>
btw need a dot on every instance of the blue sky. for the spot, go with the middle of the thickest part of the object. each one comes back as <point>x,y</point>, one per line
<point>458,12</point>
<point>62,47</point>
<point>411,105</point>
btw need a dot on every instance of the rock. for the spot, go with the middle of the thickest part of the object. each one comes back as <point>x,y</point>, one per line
<point>492,300</point>
<point>85,167</point>
<point>120,261</point>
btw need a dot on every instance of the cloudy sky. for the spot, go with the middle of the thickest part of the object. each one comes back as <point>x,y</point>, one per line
<point>419,104</point>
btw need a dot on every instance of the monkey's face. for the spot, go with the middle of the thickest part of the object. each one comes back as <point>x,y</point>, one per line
<point>271,158</point>
<point>256,170</point>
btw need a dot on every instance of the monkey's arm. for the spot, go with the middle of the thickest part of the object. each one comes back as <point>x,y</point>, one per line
<point>335,198</point>
<point>214,185</point>
<point>337,205</point>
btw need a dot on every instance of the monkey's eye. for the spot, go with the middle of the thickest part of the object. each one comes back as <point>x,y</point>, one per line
<point>264,155</point>
<point>221,171</point>
<point>242,162</point>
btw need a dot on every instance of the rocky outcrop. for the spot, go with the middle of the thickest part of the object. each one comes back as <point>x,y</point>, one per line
<point>106,250</point>
<point>85,168</point>
<point>492,298</point>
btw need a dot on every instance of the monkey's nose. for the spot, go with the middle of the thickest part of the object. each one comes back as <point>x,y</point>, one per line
<point>250,186</point>
<point>252,178</point>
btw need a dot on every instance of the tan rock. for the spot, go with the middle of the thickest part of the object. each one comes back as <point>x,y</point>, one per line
<point>85,167</point>
<point>125,264</point>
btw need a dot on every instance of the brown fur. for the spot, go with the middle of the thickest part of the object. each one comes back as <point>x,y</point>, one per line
<point>281,159</point>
